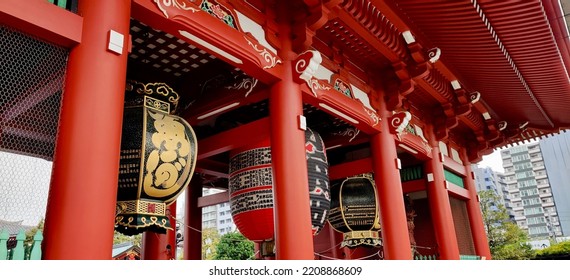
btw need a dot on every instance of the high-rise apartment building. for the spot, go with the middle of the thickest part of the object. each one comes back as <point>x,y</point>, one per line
<point>556,154</point>
<point>488,179</point>
<point>529,191</point>
<point>217,216</point>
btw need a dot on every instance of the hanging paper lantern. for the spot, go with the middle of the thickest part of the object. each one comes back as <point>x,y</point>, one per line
<point>354,211</point>
<point>158,156</point>
<point>251,187</point>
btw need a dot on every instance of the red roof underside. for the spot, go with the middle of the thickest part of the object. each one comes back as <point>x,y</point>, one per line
<point>524,80</point>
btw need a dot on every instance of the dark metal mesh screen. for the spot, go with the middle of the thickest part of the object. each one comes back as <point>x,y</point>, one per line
<point>31,82</point>
<point>462,227</point>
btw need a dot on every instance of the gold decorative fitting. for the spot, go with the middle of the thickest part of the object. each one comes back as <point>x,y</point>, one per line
<point>158,91</point>
<point>141,207</point>
<point>357,238</point>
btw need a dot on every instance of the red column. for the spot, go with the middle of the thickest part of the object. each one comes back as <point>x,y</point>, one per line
<point>257,250</point>
<point>193,220</point>
<point>389,192</point>
<point>156,246</point>
<point>336,239</point>
<point>171,234</point>
<point>475,217</point>
<point>82,196</point>
<point>292,212</point>
<point>362,253</point>
<point>440,207</point>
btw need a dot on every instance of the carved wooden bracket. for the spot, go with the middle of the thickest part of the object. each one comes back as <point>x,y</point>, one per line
<point>398,121</point>
<point>305,66</point>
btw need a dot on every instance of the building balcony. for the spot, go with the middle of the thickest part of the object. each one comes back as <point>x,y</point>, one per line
<point>517,208</point>
<point>512,190</point>
<point>545,195</point>
<point>548,204</point>
<point>535,159</point>
<point>516,199</point>
<point>520,218</point>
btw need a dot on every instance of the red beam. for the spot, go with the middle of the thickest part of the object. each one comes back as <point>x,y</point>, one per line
<point>457,191</point>
<point>414,186</point>
<point>203,30</point>
<point>213,199</point>
<point>352,168</point>
<point>42,19</point>
<point>454,166</point>
<point>234,138</point>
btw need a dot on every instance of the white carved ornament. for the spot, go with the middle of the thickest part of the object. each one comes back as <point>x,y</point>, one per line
<point>400,120</point>
<point>246,83</point>
<point>181,5</point>
<point>270,58</point>
<point>306,65</point>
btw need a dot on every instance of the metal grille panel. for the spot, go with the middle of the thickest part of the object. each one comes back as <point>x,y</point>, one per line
<point>462,227</point>
<point>31,85</point>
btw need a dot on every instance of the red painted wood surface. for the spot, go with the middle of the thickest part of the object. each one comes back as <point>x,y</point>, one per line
<point>85,173</point>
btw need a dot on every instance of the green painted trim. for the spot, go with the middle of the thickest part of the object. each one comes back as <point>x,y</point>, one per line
<point>453,178</point>
<point>411,173</point>
<point>36,251</point>
<point>19,251</point>
<point>62,3</point>
<point>3,245</point>
<point>469,257</point>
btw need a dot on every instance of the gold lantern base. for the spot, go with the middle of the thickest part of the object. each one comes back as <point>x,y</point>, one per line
<point>135,216</point>
<point>364,237</point>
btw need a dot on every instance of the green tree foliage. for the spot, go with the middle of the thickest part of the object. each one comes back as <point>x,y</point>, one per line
<point>506,240</point>
<point>234,246</point>
<point>560,249</point>
<point>119,238</point>
<point>210,240</point>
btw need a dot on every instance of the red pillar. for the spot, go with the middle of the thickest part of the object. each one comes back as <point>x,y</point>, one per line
<point>83,191</point>
<point>156,246</point>
<point>362,253</point>
<point>475,217</point>
<point>193,220</point>
<point>171,234</point>
<point>440,207</point>
<point>336,239</point>
<point>257,250</point>
<point>292,212</point>
<point>389,192</point>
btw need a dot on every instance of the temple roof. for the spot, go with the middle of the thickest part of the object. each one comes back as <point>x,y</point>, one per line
<point>514,54</point>
<point>122,248</point>
<point>509,51</point>
<point>13,227</point>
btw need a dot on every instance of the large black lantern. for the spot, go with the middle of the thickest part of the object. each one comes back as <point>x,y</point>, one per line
<point>251,187</point>
<point>354,211</point>
<point>158,156</point>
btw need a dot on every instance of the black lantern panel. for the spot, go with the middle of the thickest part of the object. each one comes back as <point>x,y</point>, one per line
<point>251,187</point>
<point>158,156</point>
<point>354,211</point>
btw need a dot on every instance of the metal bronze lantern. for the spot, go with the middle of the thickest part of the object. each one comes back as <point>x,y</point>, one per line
<point>354,211</point>
<point>251,187</point>
<point>158,156</point>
